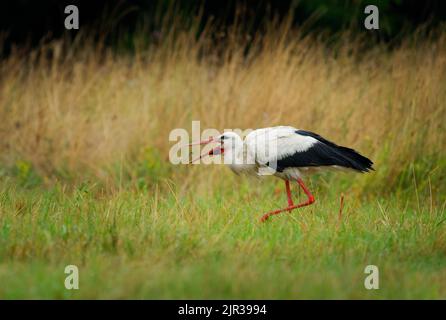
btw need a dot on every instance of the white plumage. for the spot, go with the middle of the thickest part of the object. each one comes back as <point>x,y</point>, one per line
<point>282,140</point>
<point>268,145</point>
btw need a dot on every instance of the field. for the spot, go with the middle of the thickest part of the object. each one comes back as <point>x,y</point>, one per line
<point>85,177</point>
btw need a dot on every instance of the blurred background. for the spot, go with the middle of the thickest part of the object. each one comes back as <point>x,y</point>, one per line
<point>31,22</point>
<point>99,102</point>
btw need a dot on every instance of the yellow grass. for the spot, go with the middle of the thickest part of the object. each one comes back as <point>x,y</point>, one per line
<point>79,110</point>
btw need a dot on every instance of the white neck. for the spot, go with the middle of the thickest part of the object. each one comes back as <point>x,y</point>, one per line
<point>233,155</point>
<point>235,159</point>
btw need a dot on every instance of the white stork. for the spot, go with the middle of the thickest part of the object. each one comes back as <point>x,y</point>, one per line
<point>287,153</point>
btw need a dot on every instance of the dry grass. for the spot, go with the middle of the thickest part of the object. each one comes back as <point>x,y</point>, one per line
<point>79,110</point>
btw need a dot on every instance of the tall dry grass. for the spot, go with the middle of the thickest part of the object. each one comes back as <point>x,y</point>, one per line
<point>76,110</point>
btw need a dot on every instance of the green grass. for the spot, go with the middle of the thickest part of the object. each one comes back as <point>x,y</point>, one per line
<point>167,242</point>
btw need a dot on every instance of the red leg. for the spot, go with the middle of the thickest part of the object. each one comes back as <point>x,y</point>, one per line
<point>291,206</point>
<point>288,193</point>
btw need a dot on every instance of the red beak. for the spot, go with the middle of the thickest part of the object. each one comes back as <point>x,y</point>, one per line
<point>201,142</point>
<point>215,151</point>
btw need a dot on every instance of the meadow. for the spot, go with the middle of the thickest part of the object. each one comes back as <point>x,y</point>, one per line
<point>85,177</point>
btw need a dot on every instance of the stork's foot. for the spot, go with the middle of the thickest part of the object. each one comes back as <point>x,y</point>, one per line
<point>269,214</point>
<point>272,213</point>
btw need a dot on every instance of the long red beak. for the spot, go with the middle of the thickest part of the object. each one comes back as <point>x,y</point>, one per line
<point>215,151</point>
<point>201,142</point>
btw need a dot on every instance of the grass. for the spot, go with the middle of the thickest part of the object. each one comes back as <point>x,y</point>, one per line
<point>85,177</point>
<point>135,244</point>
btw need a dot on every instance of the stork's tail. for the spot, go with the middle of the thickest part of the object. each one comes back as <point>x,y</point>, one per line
<point>354,160</point>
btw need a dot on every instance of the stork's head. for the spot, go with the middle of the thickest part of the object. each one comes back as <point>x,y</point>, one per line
<point>228,142</point>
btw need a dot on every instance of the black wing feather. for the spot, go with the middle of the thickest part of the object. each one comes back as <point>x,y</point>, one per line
<point>325,153</point>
